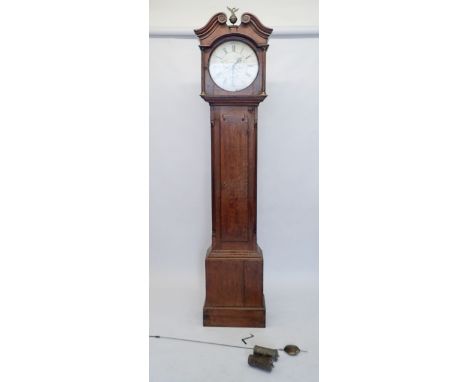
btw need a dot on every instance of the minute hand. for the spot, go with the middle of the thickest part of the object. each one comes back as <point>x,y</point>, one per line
<point>232,69</point>
<point>235,63</point>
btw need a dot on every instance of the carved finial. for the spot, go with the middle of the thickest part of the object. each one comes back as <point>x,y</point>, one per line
<point>233,17</point>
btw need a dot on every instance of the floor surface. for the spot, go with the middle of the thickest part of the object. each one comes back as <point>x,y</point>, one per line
<point>176,311</point>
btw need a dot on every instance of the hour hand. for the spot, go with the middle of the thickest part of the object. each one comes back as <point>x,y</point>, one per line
<point>235,63</point>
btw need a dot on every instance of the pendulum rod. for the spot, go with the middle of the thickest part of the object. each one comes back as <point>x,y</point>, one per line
<point>202,342</point>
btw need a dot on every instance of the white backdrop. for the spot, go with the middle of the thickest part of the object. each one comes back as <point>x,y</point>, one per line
<point>180,200</point>
<point>180,207</point>
<point>272,13</point>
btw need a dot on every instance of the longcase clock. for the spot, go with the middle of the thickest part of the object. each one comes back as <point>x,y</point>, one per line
<point>233,82</point>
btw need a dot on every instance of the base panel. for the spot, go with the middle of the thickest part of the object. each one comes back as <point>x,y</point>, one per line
<point>234,316</point>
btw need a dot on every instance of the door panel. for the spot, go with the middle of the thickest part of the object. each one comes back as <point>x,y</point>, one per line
<point>234,171</point>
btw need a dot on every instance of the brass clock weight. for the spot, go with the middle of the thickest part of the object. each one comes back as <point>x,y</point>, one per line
<point>262,357</point>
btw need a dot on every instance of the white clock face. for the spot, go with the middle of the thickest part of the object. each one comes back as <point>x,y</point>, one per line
<point>233,65</point>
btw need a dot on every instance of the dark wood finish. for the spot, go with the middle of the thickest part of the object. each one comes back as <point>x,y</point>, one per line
<point>234,262</point>
<point>249,317</point>
<point>234,278</point>
<point>234,193</point>
<point>252,32</point>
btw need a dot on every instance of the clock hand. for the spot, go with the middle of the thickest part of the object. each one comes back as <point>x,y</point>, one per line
<point>233,67</point>
<point>237,61</point>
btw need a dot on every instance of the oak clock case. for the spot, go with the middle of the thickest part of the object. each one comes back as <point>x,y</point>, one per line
<point>233,82</point>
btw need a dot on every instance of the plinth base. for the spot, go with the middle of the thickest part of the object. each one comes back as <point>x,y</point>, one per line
<point>249,317</point>
<point>234,288</point>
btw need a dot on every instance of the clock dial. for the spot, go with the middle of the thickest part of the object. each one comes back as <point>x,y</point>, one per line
<point>233,65</point>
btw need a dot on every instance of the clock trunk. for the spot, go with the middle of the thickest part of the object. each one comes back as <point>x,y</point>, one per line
<point>234,263</point>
